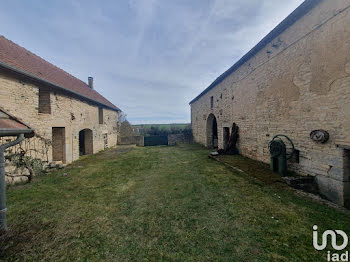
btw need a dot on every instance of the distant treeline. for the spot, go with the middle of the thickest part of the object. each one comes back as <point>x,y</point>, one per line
<point>162,129</point>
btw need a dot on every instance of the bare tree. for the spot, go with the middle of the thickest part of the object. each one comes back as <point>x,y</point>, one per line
<point>125,128</point>
<point>122,117</point>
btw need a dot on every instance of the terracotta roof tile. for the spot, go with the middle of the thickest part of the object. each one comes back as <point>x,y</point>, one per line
<point>10,125</point>
<point>22,59</point>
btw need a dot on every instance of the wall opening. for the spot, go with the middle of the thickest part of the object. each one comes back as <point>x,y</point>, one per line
<point>347,178</point>
<point>212,132</point>
<point>100,115</point>
<point>85,142</point>
<point>211,102</point>
<point>44,101</point>
<point>58,144</point>
<point>296,156</point>
<point>226,137</point>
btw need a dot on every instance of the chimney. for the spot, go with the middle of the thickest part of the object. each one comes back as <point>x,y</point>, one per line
<point>91,82</point>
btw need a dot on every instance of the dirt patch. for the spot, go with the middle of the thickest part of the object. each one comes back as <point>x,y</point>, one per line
<point>258,170</point>
<point>261,172</point>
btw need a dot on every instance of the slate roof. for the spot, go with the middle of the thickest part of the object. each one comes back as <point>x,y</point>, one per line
<point>20,60</point>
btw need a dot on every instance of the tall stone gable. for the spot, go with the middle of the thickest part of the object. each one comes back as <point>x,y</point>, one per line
<point>299,81</point>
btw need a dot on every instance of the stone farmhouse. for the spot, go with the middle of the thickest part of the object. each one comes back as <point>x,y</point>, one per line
<point>68,116</point>
<point>294,81</point>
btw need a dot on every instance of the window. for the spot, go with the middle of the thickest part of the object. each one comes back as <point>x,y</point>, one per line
<point>100,115</point>
<point>44,101</point>
<point>211,102</point>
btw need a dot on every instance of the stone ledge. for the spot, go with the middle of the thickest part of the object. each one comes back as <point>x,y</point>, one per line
<point>343,144</point>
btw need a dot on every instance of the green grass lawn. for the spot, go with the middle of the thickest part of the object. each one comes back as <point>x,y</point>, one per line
<point>160,203</point>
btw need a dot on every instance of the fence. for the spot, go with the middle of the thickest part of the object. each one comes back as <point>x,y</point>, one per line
<point>174,139</point>
<point>155,140</point>
<point>130,140</point>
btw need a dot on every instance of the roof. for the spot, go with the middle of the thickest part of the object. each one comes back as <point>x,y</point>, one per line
<point>12,126</point>
<point>298,13</point>
<point>20,60</point>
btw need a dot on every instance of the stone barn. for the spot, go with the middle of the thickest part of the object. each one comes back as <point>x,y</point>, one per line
<point>69,117</point>
<point>293,82</point>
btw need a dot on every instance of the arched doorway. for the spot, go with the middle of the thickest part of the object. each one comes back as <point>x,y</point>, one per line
<point>212,132</point>
<point>85,142</point>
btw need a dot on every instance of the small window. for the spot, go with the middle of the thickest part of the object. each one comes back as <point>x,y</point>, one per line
<point>44,101</point>
<point>100,115</point>
<point>211,102</point>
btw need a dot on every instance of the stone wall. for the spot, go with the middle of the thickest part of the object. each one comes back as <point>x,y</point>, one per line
<point>131,140</point>
<point>298,83</point>
<point>20,98</point>
<point>36,148</point>
<point>174,139</point>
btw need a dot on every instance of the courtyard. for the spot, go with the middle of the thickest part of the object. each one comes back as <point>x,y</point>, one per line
<point>161,203</point>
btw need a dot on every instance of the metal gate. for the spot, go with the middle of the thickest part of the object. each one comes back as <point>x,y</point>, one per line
<point>155,140</point>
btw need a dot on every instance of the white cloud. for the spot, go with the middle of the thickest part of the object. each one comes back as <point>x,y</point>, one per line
<point>149,57</point>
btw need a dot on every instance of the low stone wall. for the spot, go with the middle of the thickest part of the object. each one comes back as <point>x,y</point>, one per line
<point>15,174</point>
<point>34,148</point>
<point>174,139</point>
<point>131,140</point>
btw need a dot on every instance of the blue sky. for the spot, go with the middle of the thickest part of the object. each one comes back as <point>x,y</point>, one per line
<point>148,57</point>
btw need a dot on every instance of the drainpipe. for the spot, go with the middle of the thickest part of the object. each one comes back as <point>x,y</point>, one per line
<point>3,225</point>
